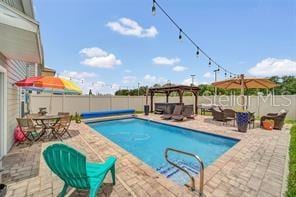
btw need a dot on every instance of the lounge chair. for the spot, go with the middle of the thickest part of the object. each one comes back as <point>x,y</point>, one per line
<point>187,113</point>
<point>278,118</point>
<point>62,127</point>
<point>71,166</point>
<point>28,128</point>
<point>177,111</point>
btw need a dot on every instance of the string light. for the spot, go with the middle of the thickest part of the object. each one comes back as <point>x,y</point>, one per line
<point>182,33</point>
<point>197,52</point>
<point>153,8</point>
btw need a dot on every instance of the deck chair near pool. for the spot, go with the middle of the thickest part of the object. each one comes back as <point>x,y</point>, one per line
<point>71,166</point>
<point>177,111</point>
<point>187,113</point>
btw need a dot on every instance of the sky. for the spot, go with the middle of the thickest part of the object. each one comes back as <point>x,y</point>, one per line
<point>106,45</point>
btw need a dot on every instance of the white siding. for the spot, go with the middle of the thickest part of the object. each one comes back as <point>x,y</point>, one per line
<point>16,70</point>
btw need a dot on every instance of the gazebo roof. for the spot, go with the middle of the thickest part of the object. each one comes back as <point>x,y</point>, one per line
<point>174,89</point>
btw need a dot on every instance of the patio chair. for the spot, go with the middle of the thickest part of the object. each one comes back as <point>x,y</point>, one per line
<point>251,119</point>
<point>278,118</point>
<point>229,115</point>
<point>62,127</point>
<point>217,114</point>
<point>177,111</point>
<point>224,115</point>
<point>28,128</point>
<point>187,113</point>
<point>73,168</point>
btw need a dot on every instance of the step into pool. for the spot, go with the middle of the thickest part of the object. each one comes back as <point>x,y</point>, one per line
<point>147,140</point>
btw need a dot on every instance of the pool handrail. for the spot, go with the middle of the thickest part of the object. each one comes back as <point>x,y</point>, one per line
<point>201,174</point>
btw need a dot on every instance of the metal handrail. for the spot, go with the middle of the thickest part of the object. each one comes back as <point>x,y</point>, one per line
<point>201,175</point>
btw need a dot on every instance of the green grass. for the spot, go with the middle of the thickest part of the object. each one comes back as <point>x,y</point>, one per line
<point>292,164</point>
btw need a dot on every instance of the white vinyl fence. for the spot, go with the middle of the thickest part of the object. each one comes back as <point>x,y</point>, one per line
<point>84,103</point>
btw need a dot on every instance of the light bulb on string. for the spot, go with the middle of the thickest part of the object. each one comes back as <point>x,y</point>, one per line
<point>225,74</point>
<point>210,62</point>
<point>153,8</point>
<point>197,52</point>
<point>180,35</point>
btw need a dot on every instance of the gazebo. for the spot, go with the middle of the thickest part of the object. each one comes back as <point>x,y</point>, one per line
<point>180,89</point>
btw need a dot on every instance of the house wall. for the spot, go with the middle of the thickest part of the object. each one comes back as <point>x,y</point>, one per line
<point>85,103</point>
<point>16,70</point>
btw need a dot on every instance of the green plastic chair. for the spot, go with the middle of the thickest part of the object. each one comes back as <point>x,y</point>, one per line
<point>71,166</point>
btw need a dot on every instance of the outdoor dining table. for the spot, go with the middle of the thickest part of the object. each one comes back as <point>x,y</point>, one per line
<point>47,122</point>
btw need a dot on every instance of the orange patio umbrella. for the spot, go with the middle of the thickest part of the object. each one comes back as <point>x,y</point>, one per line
<point>49,82</point>
<point>243,83</point>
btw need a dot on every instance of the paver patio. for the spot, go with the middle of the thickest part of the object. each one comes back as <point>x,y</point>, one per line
<point>255,166</point>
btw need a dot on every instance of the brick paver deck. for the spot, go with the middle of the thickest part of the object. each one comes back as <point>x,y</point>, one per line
<point>255,166</point>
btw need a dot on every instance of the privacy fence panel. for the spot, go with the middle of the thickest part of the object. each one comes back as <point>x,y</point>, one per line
<point>258,104</point>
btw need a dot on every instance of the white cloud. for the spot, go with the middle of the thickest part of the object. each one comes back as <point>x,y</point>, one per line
<point>74,75</point>
<point>274,66</point>
<point>129,79</point>
<point>187,81</point>
<point>129,27</point>
<point>96,57</point>
<point>153,79</point>
<point>179,68</point>
<point>165,61</point>
<point>93,52</point>
<point>98,87</point>
<point>208,75</point>
<point>127,71</point>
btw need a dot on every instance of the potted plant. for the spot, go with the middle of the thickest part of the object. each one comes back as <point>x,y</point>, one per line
<point>77,118</point>
<point>268,124</point>
<point>242,119</point>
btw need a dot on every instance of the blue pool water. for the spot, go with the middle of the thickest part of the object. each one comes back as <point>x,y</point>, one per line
<point>148,140</point>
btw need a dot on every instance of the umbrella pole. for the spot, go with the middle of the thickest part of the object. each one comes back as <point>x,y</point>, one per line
<point>242,92</point>
<point>50,103</point>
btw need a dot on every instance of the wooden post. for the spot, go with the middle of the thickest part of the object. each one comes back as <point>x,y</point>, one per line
<point>151,101</point>
<point>147,92</point>
<point>167,97</point>
<point>195,102</point>
<point>181,95</point>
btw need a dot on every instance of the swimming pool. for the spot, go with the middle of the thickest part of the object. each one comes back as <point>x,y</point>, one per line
<point>148,140</point>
